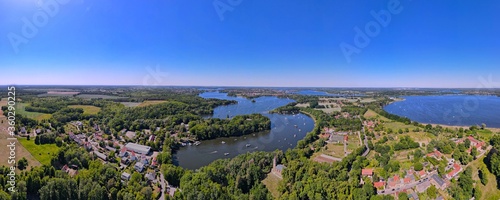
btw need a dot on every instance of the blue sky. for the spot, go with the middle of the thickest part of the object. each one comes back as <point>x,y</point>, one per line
<point>253,43</point>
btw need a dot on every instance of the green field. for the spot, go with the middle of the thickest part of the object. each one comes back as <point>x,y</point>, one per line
<point>89,110</point>
<point>98,96</point>
<point>43,153</point>
<point>130,104</point>
<point>272,182</point>
<point>489,190</point>
<point>20,109</point>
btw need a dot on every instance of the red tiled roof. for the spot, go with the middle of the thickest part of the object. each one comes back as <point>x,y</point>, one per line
<point>407,180</point>
<point>456,169</point>
<point>367,172</point>
<point>396,178</point>
<point>422,172</point>
<point>379,184</point>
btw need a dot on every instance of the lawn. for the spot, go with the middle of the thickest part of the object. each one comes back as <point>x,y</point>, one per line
<point>272,182</point>
<point>98,96</point>
<point>335,150</point>
<point>130,104</point>
<point>43,153</point>
<point>20,109</point>
<point>148,103</point>
<point>89,110</point>
<point>372,114</point>
<point>489,190</point>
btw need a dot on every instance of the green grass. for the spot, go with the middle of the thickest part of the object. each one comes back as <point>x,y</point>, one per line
<point>370,114</point>
<point>97,96</point>
<point>43,153</point>
<point>272,182</point>
<point>89,110</point>
<point>490,190</point>
<point>21,110</point>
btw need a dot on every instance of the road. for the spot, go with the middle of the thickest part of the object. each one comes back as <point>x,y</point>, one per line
<point>407,186</point>
<point>163,186</point>
<point>365,141</point>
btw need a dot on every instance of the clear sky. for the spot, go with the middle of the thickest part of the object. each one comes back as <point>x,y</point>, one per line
<point>444,43</point>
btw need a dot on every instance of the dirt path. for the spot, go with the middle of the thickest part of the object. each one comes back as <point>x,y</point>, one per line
<point>20,150</point>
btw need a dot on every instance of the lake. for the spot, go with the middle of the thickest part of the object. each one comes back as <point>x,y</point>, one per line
<point>455,110</point>
<point>283,134</point>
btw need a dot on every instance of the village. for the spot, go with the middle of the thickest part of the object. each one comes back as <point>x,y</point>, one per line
<point>129,156</point>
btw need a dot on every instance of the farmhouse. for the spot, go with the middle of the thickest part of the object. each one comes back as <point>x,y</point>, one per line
<point>367,172</point>
<point>141,149</point>
<point>454,172</point>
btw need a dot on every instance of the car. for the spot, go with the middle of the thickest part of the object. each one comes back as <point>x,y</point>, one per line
<point>382,192</point>
<point>393,189</point>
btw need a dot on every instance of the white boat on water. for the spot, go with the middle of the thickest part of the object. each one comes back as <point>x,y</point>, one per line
<point>226,154</point>
<point>247,145</point>
<point>197,143</point>
<point>223,142</point>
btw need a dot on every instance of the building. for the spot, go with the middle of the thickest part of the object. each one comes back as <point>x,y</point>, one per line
<point>336,138</point>
<point>422,173</point>
<point>150,176</point>
<point>394,182</point>
<point>139,166</point>
<point>438,182</point>
<point>277,169</point>
<point>379,185</point>
<point>23,130</point>
<point>100,155</point>
<point>141,149</point>
<point>436,154</point>
<point>123,153</point>
<point>454,172</point>
<point>125,176</point>
<point>367,172</point>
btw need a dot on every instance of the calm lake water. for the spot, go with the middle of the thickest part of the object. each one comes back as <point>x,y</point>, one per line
<point>283,134</point>
<point>458,110</point>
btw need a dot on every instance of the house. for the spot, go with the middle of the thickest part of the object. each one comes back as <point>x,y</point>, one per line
<point>38,131</point>
<point>438,182</point>
<point>123,153</point>
<point>151,138</point>
<point>100,155</point>
<point>23,130</point>
<point>367,172</point>
<point>125,176</point>
<point>436,154</point>
<point>379,185</point>
<point>150,176</point>
<point>406,180</point>
<point>139,167</point>
<point>125,161</point>
<point>140,149</point>
<point>277,169</point>
<point>154,162</point>
<point>110,148</point>
<point>394,182</point>
<point>422,173</point>
<point>456,169</point>
<point>336,138</point>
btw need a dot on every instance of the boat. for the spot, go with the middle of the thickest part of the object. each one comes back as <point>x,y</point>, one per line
<point>226,154</point>
<point>299,129</point>
<point>294,135</point>
<point>247,145</point>
<point>223,142</point>
<point>295,125</point>
<point>197,143</point>
<point>183,144</point>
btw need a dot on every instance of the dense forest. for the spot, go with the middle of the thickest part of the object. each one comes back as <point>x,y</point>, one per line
<point>239,125</point>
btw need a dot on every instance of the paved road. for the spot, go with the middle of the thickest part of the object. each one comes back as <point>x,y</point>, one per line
<point>163,187</point>
<point>407,186</point>
<point>365,141</point>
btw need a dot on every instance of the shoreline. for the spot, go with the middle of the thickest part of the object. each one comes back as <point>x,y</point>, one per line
<point>492,129</point>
